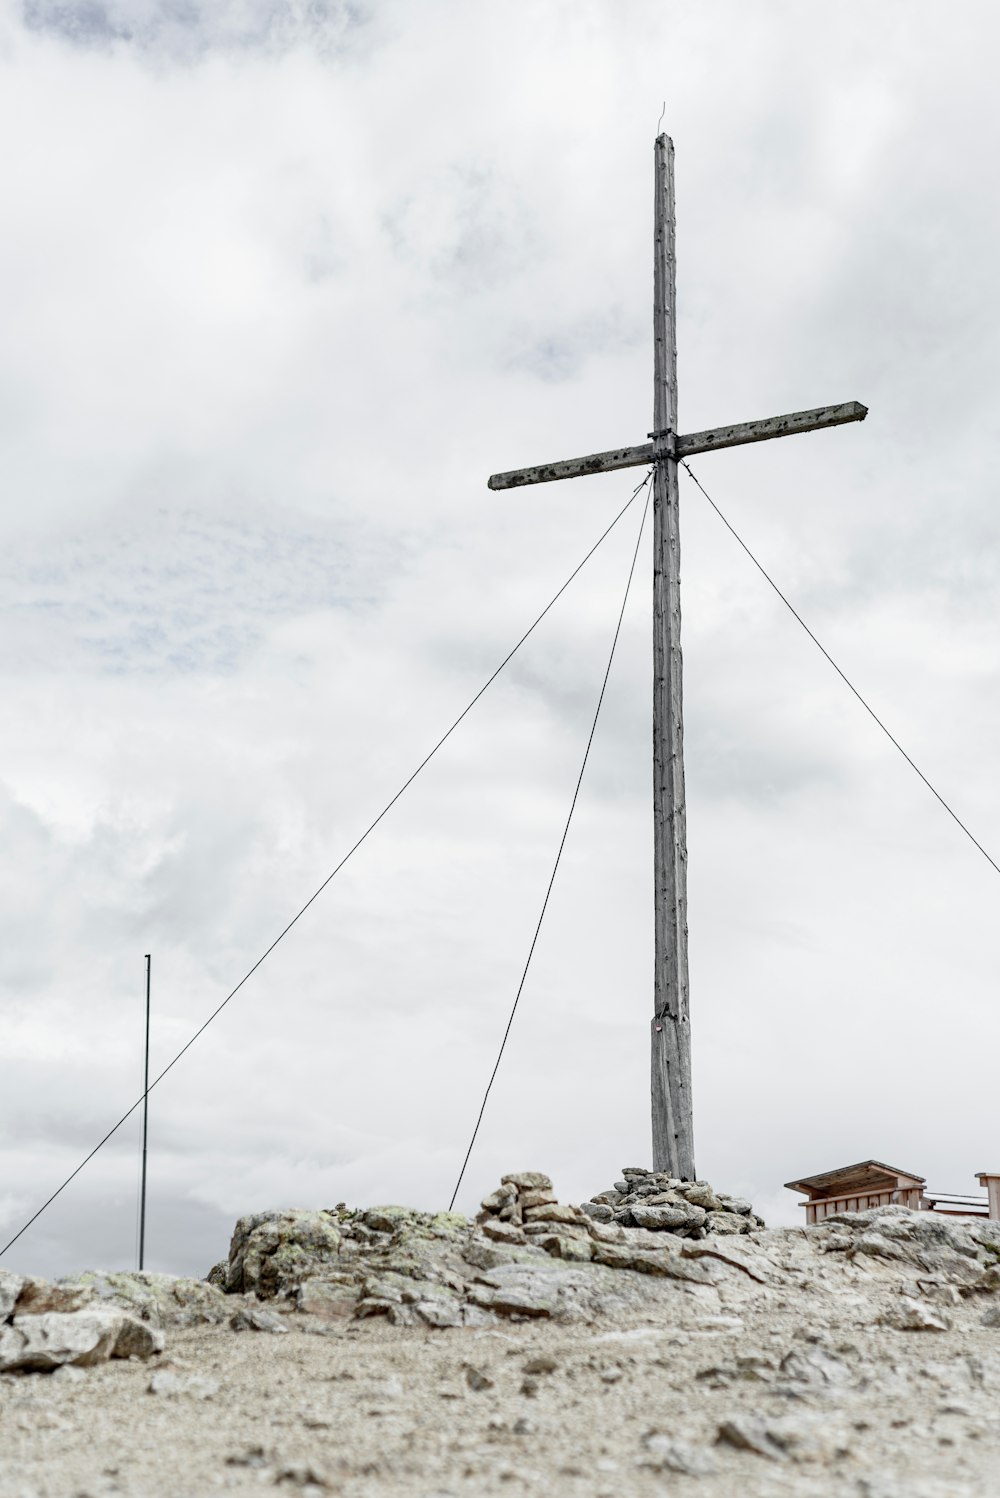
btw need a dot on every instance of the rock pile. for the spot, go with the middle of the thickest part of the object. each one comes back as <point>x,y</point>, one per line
<point>656,1201</point>
<point>45,1326</point>
<point>524,1209</point>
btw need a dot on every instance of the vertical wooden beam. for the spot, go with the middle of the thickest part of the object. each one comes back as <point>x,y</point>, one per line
<point>673,1134</point>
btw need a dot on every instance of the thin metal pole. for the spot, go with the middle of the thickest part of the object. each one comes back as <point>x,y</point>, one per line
<point>145,1127</point>
<point>670,1072</point>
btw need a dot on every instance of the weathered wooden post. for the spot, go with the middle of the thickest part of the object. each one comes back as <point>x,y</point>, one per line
<point>670,1070</point>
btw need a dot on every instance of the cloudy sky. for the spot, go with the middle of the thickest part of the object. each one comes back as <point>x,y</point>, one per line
<point>281,284</point>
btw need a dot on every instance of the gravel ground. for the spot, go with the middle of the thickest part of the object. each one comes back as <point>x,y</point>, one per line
<point>736,1387</point>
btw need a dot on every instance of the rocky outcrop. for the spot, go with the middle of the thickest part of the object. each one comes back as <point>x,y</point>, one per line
<point>273,1251</point>
<point>160,1300</point>
<point>45,1326</point>
<point>526,1256</point>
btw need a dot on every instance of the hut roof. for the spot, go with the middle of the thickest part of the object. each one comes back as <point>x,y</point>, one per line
<point>866,1175</point>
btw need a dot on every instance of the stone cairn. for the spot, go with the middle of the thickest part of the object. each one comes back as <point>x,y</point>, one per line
<point>524,1209</point>
<point>659,1202</point>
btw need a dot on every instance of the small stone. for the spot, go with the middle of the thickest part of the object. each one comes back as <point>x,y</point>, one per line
<point>659,1218</point>
<point>300,1475</point>
<point>737,1204</point>
<point>170,1385</point>
<point>373,1305</point>
<point>913,1316</point>
<point>700,1194</point>
<point>635,1173</point>
<point>512,1302</point>
<point>598,1211</point>
<point>726,1222</point>
<point>254,1457</point>
<point>528,1180</point>
<point>255,1319</point>
<point>529,1387</point>
<point>387,1219</point>
<point>606,1232</point>
<point>537,1199</point>
<point>543,1363</point>
<point>610,1373</point>
<point>670,1455</point>
<point>523,1426</point>
<point>551,1212</point>
<point>499,1198</point>
<point>476,1379</point>
<point>561,1246</point>
<point>799,1438</point>
<point>990,1317</point>
<point>987,1283</point>
<point>439,1313</point>
<point>503,1232</point>
<point>136,1339</point>
<point>387,1287</point>
<point>816,1366</point>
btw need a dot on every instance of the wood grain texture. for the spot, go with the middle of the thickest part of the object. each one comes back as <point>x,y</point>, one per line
<point>670,1068</point>
<point>574,468</point>
<point>738,435</point>
<point>771,426</point>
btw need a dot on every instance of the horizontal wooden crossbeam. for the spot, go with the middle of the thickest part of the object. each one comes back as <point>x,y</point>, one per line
<point>695,442</point>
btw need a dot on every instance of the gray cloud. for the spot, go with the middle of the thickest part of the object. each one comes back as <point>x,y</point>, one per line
<point>186,29</point>
<point>270,321</point>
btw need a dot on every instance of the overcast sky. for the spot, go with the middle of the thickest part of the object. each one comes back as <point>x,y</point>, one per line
<point>281,284</point>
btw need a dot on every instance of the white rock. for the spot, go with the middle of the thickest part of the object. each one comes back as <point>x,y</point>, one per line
<point>10,1288</point>
<point>670,1455</point>
<point>172,1385</point>
<point>47,1341</point>
<point>914,1316</point>
<point>799,1438</point>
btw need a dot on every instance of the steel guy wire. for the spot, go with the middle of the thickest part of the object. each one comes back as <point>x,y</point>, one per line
<point>844,678</point>
<point>348,855</point>
<point>559,854</point>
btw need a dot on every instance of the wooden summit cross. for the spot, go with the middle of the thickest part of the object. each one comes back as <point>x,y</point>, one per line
<point>673,1134</point>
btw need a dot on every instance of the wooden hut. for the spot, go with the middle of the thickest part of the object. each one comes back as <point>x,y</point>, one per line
<point>856,1188</point>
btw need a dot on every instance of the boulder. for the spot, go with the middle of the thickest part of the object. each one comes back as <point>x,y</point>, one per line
<point>48,1340</point>
<point>162,1300</point>
<point>273,1252</point>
